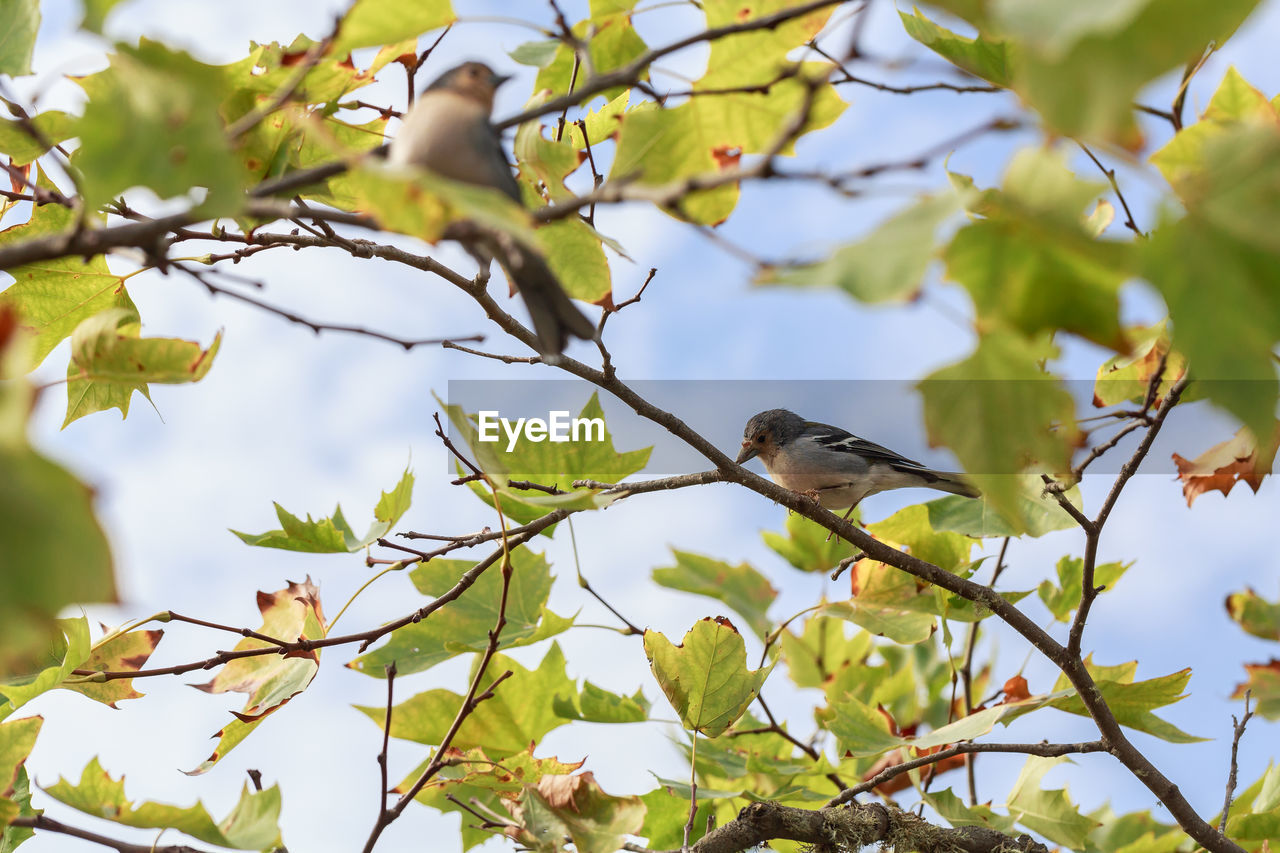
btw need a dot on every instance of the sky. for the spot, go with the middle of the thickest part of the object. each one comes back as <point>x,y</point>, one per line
<point>311,421</point>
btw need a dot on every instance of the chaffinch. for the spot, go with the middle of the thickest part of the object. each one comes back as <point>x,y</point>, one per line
<point>833,466</point>
<point>448,132</point>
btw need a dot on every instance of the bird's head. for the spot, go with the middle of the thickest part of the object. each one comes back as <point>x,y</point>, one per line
<point>768,431</point>
<point>472,79</point>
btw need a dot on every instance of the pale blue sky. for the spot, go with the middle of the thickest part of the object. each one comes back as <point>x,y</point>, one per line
<point>309,421</point>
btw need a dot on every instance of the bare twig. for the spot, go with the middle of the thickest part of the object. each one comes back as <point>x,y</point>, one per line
<point>1237,733</point>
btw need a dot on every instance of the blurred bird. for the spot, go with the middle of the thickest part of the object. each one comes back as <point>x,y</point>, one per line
<point>448,132</point>
<point>833,466</point>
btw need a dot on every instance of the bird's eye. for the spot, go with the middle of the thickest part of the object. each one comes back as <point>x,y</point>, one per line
<point>760,438</point>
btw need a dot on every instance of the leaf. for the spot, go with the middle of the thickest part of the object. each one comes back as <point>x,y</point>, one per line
<point>1064,598</point>
<point>536,53</point>
<point>109,361</point>
<point>1032,264</point>
<point>464,624</point>
<point>1255,614</point>
<point>887,265</point>
<point>1262,683</point>
<point>1126,377</point>
<point>470,776</point>
<point>822,649</point>
<point>577,807</point>
<point>1229,462</point>
<point>597,705</point>
<point>334,535</point>
<point>65,651</point>
<point>52,297</point>
<point>17,737</point>
<point>117,653</point>
<point>990,59</point>
<point>95,14</point>
<point>809,546</point>
<point>1036,512</point>
<point>565,454</point>
<point>705,677</point>
<point>375,22</point>
<point>52,127</point>
<point>270,680</point>
<point>666,812</point>
<point>17,804</point>
<point>742,588</point>
<point>252,825</point>
<point>59,550</point>
<point>1001,413</point>
<point>956,813</point>
<point>18,43</point>
<point>1133,701</point>
<point>520,711</point>
<point>862,730</point>
<point>911,528</point>
<point>152,120</point>
<point>1048,812</point>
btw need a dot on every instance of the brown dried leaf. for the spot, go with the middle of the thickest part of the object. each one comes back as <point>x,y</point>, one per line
<point>1223,465</point>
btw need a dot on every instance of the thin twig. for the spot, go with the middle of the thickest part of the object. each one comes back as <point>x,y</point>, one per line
<point>1235,747</point>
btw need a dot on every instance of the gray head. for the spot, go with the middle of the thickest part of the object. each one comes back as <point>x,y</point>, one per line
<point>768,431</point>
<point>473,79</point>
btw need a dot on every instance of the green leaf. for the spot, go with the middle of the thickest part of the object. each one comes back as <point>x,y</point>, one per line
<point>1255,614</point>
<point>59,552</point>
<point>536,53</point>
<point>95,14</point>
<point>375,22</point>
<point>18,42</point>
<point>109,361</point>
<point>1263,684</point>
<point>152,120</point>
<point>862,730</point>
<point>611,42</point>
<point>1033,264</point>
<point>1132,701</point>
<point>575,806</point>
<point>809,546</point>
<point>53,297</point>
<point>519,712</point>
<point>252,825</point>
<point>822,649</point>
<point>585,454</point>
<point>990,59</point>
<point>1001,413</point>
<point>1036,512</point>
<point>17,804</point>
<point>884,618</point>
<point>17,737</point>
<point>52,127</point>
<point>666,812</point>
<point>705,677</point>
<point>334,535</point>
<point>956,813</point>
<point>742,588</point>
<point>1048,812</point>
<point>597,705</point>
<point>1063,598</point>
<point>887,265</point>
<point>1126,377</point>
<point>464,624</point>
<point>911,527</point>
<point>64,652</point>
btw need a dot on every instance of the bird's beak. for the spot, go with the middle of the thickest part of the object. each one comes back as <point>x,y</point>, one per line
<point>498,79</point>
<point>748,452</point>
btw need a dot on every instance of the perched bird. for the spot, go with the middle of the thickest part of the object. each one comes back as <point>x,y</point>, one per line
<point>448,132</point>
<point>834,466</point>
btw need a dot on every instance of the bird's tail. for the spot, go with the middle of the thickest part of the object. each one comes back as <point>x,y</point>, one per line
<point>554,315</point>
<point>956,484</point>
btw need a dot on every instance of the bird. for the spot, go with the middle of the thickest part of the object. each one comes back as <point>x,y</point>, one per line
<point>447,131</point>
<point>832,465</point>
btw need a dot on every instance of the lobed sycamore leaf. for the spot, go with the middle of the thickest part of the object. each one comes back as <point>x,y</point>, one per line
<point>253,824</point>
<point>464,624</point>
<point>375,22</point>
<point>705,678</point>
<point>1049,812</point>
<point>576,807</point>
<point>270,680</point>
<point>62,653</point>
<point>334,535</point>
<point>1063,598</point>
<point>116,652</point>
<point>1239,459</point>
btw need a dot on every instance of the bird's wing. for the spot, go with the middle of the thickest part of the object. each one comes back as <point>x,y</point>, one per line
<point>843,441</point>
<point>491,146</point>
